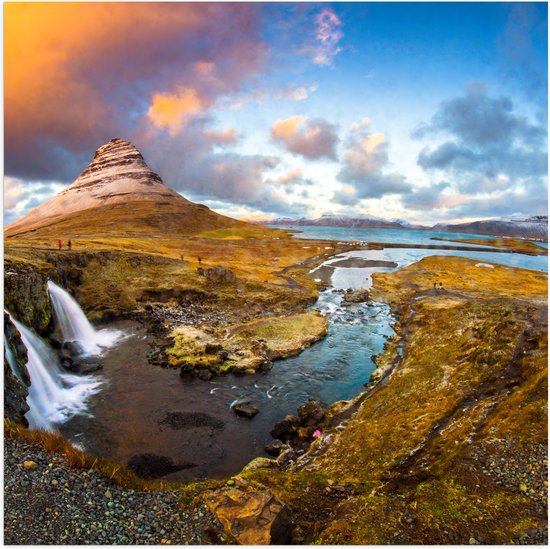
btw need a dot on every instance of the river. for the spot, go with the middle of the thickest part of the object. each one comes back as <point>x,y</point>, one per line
<point>148,410</point>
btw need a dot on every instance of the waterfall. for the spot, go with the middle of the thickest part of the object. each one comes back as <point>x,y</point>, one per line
<point>74,324</point>
<point>54,396</point>
<point>11,360</point>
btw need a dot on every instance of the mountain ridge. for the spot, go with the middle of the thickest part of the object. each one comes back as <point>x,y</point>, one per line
<point>532,228</point>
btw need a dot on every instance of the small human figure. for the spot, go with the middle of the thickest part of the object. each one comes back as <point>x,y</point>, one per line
<point>441,285</point>
<point>181,257</point>
<point>69,244</point>
<point>200,260</point>
<point>59,244</point>
<point>435,285</point>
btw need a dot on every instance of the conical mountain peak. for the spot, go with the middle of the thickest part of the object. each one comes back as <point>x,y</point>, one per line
<point>118,161</point>
<point>117,193</point>
<point>117,174</point>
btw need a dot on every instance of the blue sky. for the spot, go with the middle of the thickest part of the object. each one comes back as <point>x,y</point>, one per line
<point>423,111</point>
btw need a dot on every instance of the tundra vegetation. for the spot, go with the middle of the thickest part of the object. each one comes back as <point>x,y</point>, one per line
<point>450,448</point>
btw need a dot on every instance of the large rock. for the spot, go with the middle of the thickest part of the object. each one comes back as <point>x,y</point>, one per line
<point>16,376</point>
<point>357,296</point>
<point>245,410</point>
<point>286,429</point>
<point>275,447</point>
<point>311,413</point>
<point>252,516</point>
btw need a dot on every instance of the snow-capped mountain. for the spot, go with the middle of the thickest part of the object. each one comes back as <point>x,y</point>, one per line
<point>329,220</point>
<point>532,228</point>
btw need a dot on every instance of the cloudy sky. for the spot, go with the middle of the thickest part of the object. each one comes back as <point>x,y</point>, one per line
<point>427,112</point>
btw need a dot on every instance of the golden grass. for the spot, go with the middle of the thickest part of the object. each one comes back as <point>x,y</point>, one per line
<point>474,370</point>
<point>284,336</point>
<point>461,275</point>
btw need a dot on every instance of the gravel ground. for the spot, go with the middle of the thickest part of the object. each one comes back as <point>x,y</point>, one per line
<point>522,469</point>
<point>51,504</point>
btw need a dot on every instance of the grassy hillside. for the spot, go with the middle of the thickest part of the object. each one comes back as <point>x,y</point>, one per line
<point>452,448</point>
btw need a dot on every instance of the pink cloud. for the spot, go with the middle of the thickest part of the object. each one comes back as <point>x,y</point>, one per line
<point>223,137</point>
<point>314,138</point>
<point>328,35</point>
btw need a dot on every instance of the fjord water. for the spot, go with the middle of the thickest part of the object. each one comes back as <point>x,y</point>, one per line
<point>54,395</point>
<point>148,410</point>
<point>75,326</point>
<point>406,256</point>
<point>394,236</point>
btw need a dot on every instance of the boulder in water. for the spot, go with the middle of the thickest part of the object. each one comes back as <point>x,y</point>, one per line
<point>357,296</point>
<point>73,348</point>
<point>245,410</point>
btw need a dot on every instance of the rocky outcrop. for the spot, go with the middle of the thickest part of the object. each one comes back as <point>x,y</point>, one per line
<point>299,431</point>
<point>16,377</point>
<point>26,296</point>
<point>356,296</point>
<point>252,516</point>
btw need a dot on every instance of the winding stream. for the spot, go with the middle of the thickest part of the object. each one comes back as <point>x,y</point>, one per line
<point>190,425</point>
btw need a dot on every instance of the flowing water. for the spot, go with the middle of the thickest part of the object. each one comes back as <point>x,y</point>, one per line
<point>54,395</point>
<point>11,360</point>
<point>131,415</point>
<point>147,410</point>
<point>75,326</point>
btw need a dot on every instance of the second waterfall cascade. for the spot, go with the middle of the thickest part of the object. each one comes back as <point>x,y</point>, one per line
<point>75,326</point>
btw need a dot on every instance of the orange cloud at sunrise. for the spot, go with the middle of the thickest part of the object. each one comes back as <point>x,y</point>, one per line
<point>172,110</point>
<point>76,74</point>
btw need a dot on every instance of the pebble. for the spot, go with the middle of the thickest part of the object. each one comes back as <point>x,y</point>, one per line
<point>30,465</point>
<point>49,516</point>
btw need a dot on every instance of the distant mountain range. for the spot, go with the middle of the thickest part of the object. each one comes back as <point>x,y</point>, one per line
<point>365,221</point>
<point>532,228</point>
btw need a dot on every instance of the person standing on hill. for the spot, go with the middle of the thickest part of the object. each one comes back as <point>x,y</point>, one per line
<point>59,244</point>
<point>69,244</point>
